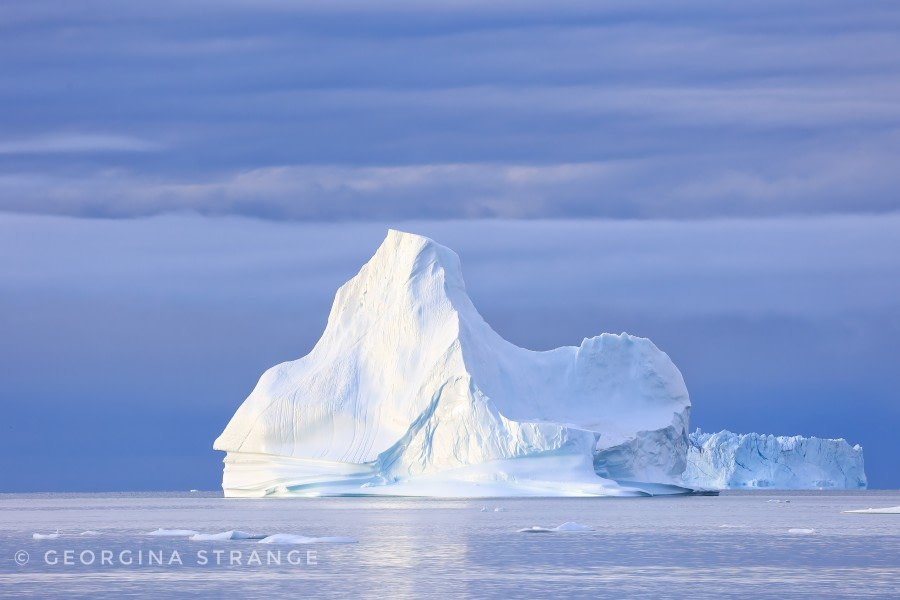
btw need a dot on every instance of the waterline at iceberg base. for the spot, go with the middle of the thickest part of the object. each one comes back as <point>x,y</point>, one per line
<point>410,392</point>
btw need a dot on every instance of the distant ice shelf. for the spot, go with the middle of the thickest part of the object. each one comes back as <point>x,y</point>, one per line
<point>727,460</point>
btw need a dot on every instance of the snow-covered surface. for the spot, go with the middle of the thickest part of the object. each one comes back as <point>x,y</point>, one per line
<point>410,392</point>
<point>289,538</point>
<point>172,532</point>
<point>892,510</point>
<point>726,460</point>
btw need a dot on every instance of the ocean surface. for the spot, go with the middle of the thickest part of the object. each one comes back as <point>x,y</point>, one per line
<point>735,545</point>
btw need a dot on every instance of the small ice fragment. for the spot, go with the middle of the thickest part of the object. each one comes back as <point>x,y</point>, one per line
<point>288,538</point>
<point>484,509</point>
<point>172,532</point>
<point>499,509</point>
<point>892,510</point>
<point>535,529</point>
<point>571,526</point>
<point>194,491</point>
<point>89,532</point>
<point>45,536</point>
<point>801,530</point>
<point>225,535</point>
<point>727,526</point>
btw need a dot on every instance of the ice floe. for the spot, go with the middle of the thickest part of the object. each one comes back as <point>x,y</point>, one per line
<point>225,535</point>
<point>45,536</point>
<point>172,532</point>
<point>289,538</point>
<point>567,527</point>
<point>891,510</point>
<point>801,531</point>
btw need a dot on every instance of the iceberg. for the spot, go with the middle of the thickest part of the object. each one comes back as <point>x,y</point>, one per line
<point>726,460</point>
<point>410,392</point>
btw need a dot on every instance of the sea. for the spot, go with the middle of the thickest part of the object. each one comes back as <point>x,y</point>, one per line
<point>737,544</point>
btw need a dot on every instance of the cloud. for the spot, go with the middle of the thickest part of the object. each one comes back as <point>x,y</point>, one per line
<point>76,143</point>
<point>314,111</point>
<point>626,188</point>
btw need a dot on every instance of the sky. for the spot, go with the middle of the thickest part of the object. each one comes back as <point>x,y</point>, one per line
<point>184,185</point>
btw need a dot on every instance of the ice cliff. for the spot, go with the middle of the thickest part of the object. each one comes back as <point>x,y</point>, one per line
<point>726,460</point>
<point>410,392</point>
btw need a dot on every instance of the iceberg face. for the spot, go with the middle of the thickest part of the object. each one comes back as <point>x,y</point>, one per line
<point>410,392</point>
<point>726,460</point>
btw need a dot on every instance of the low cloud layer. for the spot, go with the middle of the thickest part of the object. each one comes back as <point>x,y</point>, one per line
<point>314,111</point>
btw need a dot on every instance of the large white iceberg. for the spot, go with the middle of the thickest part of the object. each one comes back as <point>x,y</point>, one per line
<point>726,460</point>
<point>410,392</point>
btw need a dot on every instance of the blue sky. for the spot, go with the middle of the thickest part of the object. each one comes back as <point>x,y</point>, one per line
<point>184,185</point>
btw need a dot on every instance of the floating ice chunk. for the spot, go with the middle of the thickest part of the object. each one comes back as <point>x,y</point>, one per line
<point>571,526</point>
<point>567,527</point>
<point>484,509</point>
<point>776,501</point>
<point>89,532</point>
<point>727,526</point>
<point>289,538</point>
<point>45,536</point>
<point>225,535</point>
<point>535,529</point>
<point>499,509</point>
<point>194,491</point>
<point>802,531</point>
<point>892,510</point>
<point>172,532</point>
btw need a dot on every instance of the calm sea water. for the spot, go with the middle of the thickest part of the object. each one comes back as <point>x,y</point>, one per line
<point>737,544</point>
